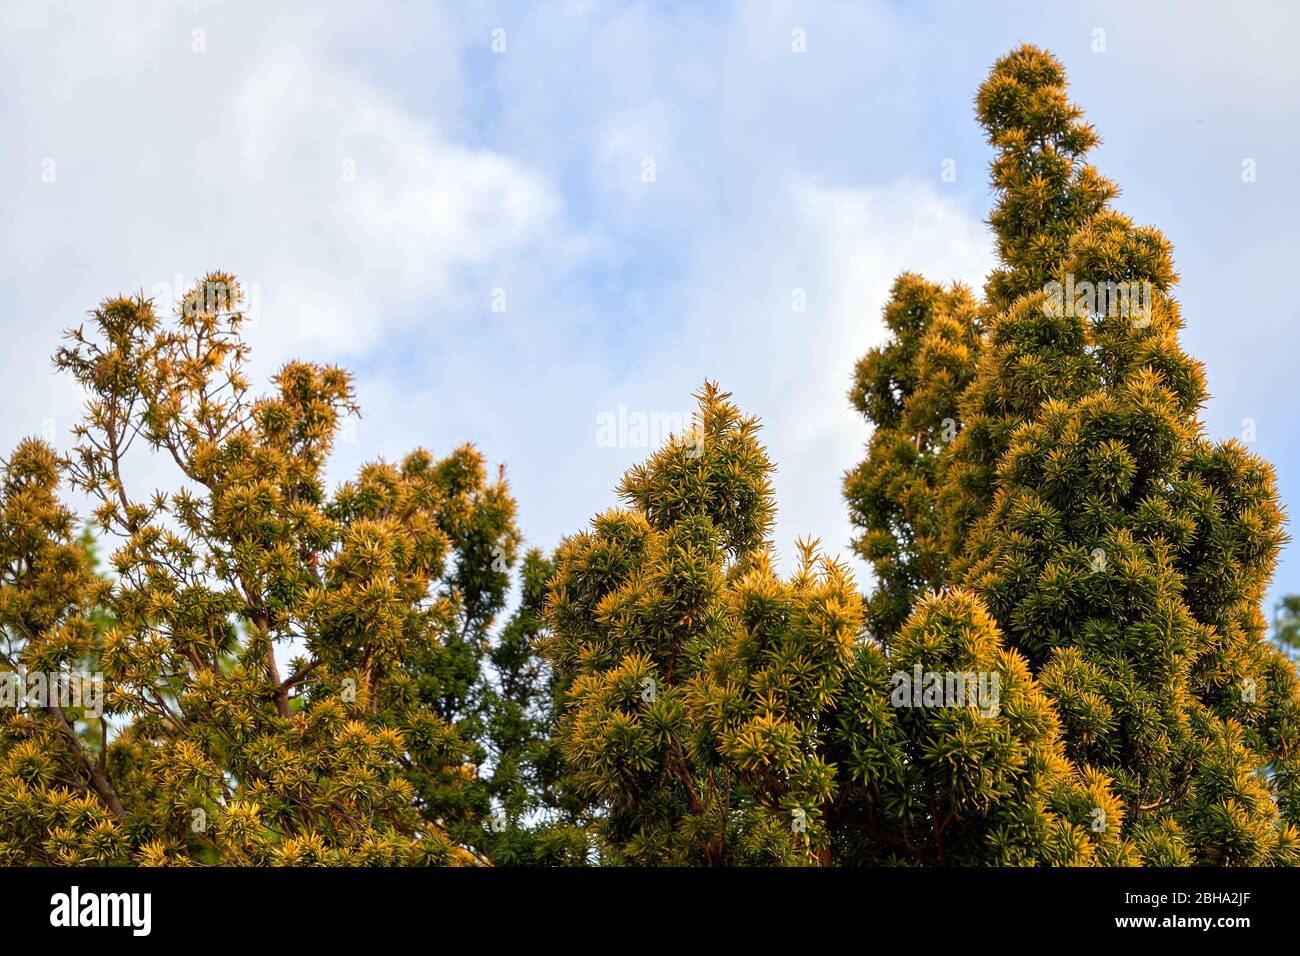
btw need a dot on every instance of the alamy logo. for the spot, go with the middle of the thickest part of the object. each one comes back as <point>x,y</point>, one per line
<point>1129,299</point>
<point>922,688</point>
<point>53,689</point>
<point>134,910</point>
<point>637,429</point>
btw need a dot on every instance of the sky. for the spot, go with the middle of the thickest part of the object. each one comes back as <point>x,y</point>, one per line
<point>515,221</point>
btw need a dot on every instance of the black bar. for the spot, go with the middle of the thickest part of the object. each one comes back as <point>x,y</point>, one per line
<point>723,906</point>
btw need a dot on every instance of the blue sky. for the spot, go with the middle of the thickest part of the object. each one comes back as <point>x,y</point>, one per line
<point>187,137</point>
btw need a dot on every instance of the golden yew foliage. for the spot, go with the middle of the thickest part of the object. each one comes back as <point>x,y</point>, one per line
<point>208,753</point>
<point>717,713</point>
<point>964,785</point>
<point>55,804</point>
<point>692,676</point>
<point>1121,552</point>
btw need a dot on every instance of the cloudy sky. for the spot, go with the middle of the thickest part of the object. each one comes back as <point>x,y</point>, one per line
<point>512,219</point>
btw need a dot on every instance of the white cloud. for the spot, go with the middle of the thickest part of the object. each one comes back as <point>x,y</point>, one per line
<point>373,220</point>
<point>627,154</point>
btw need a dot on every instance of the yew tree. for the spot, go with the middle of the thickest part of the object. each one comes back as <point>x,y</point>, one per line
<point>717,712</point>
<point>366,748</point>
<point>1122,551</point>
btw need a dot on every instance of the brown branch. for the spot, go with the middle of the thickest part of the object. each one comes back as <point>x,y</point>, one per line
<point>262,621</point>
<point>679,768</point>
<point>98,778</point>
<point>298,676</point>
